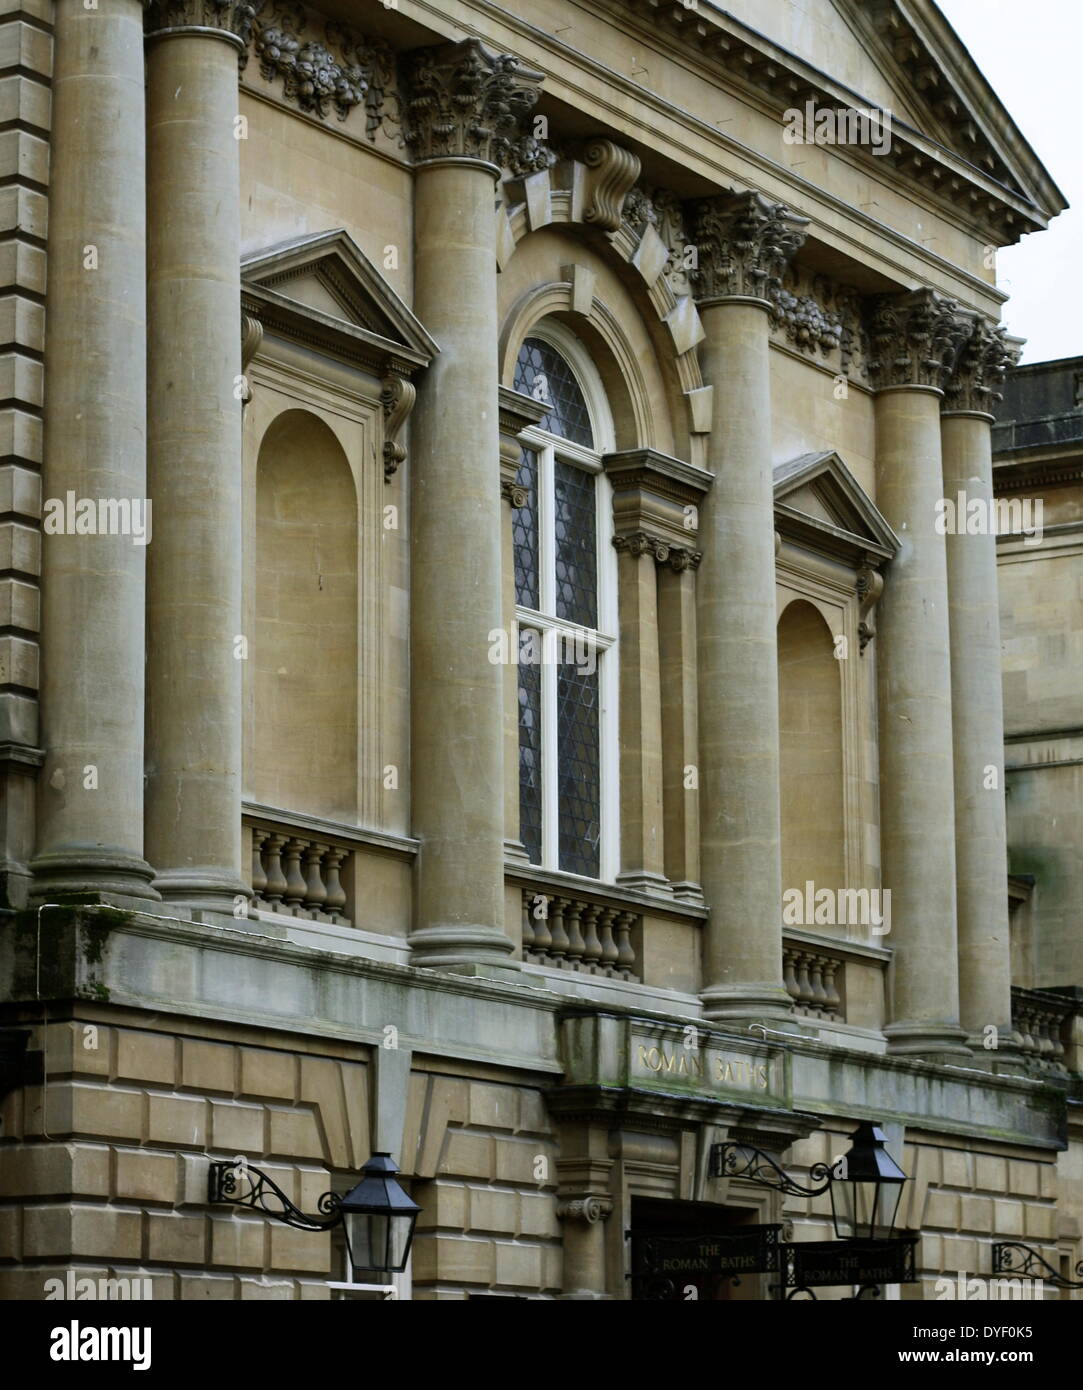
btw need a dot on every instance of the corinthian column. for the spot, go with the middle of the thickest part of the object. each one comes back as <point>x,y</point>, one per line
<point>914,337</point>
<point>981,851</point>
<point>90,817</point>
<point>465,109</point>
<point>743,243</point>
<point>194,629</point>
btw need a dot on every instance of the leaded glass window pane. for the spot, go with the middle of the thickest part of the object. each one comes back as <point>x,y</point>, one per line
<point>530,765</point>
<point>576,545</point>
<point>524,529</point>
<point>541,372</point>
<point>579,781</point>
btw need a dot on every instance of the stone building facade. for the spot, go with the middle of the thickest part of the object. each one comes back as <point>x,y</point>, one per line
<point>484,677</point>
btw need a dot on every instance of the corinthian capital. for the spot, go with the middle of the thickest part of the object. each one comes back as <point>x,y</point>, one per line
<point>914,338</point>
<point>465,102</point>
<point>743,242</point>
<point>230,17</point>
<point>984,355</point>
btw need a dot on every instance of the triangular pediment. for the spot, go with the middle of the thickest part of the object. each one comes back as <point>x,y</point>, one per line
<point>823,499</point>
<point>328,281</point>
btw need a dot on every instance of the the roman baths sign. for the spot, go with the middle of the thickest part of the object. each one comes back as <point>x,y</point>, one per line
<point>601,1048</point>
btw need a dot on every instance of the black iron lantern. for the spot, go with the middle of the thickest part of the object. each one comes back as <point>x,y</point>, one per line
<point>378,1219</point>
<point>866,1184</point>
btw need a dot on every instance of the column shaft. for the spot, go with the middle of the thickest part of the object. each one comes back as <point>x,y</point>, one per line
<point>978,726</point>
<point>916,750</point>
<point>90,806</point>
<point>680,728</point>
<point>641,837</point>
<point>738,674</point>
<point>195,641</point>
<point>457,692</point>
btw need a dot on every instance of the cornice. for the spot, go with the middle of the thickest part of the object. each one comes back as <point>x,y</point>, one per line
<point>784,80</point>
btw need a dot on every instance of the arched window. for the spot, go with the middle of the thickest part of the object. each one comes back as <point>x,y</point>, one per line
<point>565,593</point>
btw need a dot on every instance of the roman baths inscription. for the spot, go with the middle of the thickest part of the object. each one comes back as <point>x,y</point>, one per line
<point>706,1066</point>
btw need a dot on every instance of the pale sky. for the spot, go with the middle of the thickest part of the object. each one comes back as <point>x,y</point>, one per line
<point>1031,53</point>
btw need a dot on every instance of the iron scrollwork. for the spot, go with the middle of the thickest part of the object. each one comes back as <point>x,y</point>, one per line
<point>1013,1257</point>
<point>732,1160</point>
<point>238,1182</point>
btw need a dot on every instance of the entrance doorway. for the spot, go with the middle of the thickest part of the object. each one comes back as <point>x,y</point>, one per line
<point>682,1251</point>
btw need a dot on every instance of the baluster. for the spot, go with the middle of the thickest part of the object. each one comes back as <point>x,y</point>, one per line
<point>626,957</point>
<point>259,878</point>
<point>336,894</point>
<point>804,988</point>
<point>834,1000</point>
<point>527,928</point>
<point>576,944</point>
<point>609,944</point>
<point>1026,1028</point>
<point>1057,1038</point>
<point>538,909</point>
<point>592,945</point>
<point>276,879</point>
<point>815,976</point>
<point>295,883</point>
<point>1045,1041</point>
<point>559,949</point>
<point>315,890</point>
<point>789,973</point>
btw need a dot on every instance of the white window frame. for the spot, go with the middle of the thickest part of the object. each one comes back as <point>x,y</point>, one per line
<point>547,448</point>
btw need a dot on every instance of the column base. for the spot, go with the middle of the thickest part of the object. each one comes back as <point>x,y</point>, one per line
<point>750,1002</point>
<point>515,852</point>
<point>1006,1059</point>
<point>456,947</point>
<point>927,1041</point>
<point>687,892</point>
<point>214,890</point>
<point>91,873</point>
<point>645,881</point>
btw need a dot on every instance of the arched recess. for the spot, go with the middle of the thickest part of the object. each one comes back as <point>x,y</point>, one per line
<point>303,662</point>
<point>811,751</point>
<point>652,381</point>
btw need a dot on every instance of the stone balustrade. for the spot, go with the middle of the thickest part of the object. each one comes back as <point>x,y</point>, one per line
<point>814,981</point>
<point>587,934</point>
<point>1039,1023</point>
<point>298,875</point>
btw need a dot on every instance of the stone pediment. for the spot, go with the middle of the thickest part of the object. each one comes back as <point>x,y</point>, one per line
<point>819,502</point>
<point>323,290</point>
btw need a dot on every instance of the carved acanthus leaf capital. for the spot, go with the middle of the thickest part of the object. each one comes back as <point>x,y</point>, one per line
<point>466,102</point>
<point>231,17</point>
<point>984,355</point>
<point>913,338</point>
<point>743,242</point>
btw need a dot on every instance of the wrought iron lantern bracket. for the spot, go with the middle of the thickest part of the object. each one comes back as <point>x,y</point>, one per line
<point>1013,1257</point>
<point>759,1167</point>
<point>240,1183</point>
